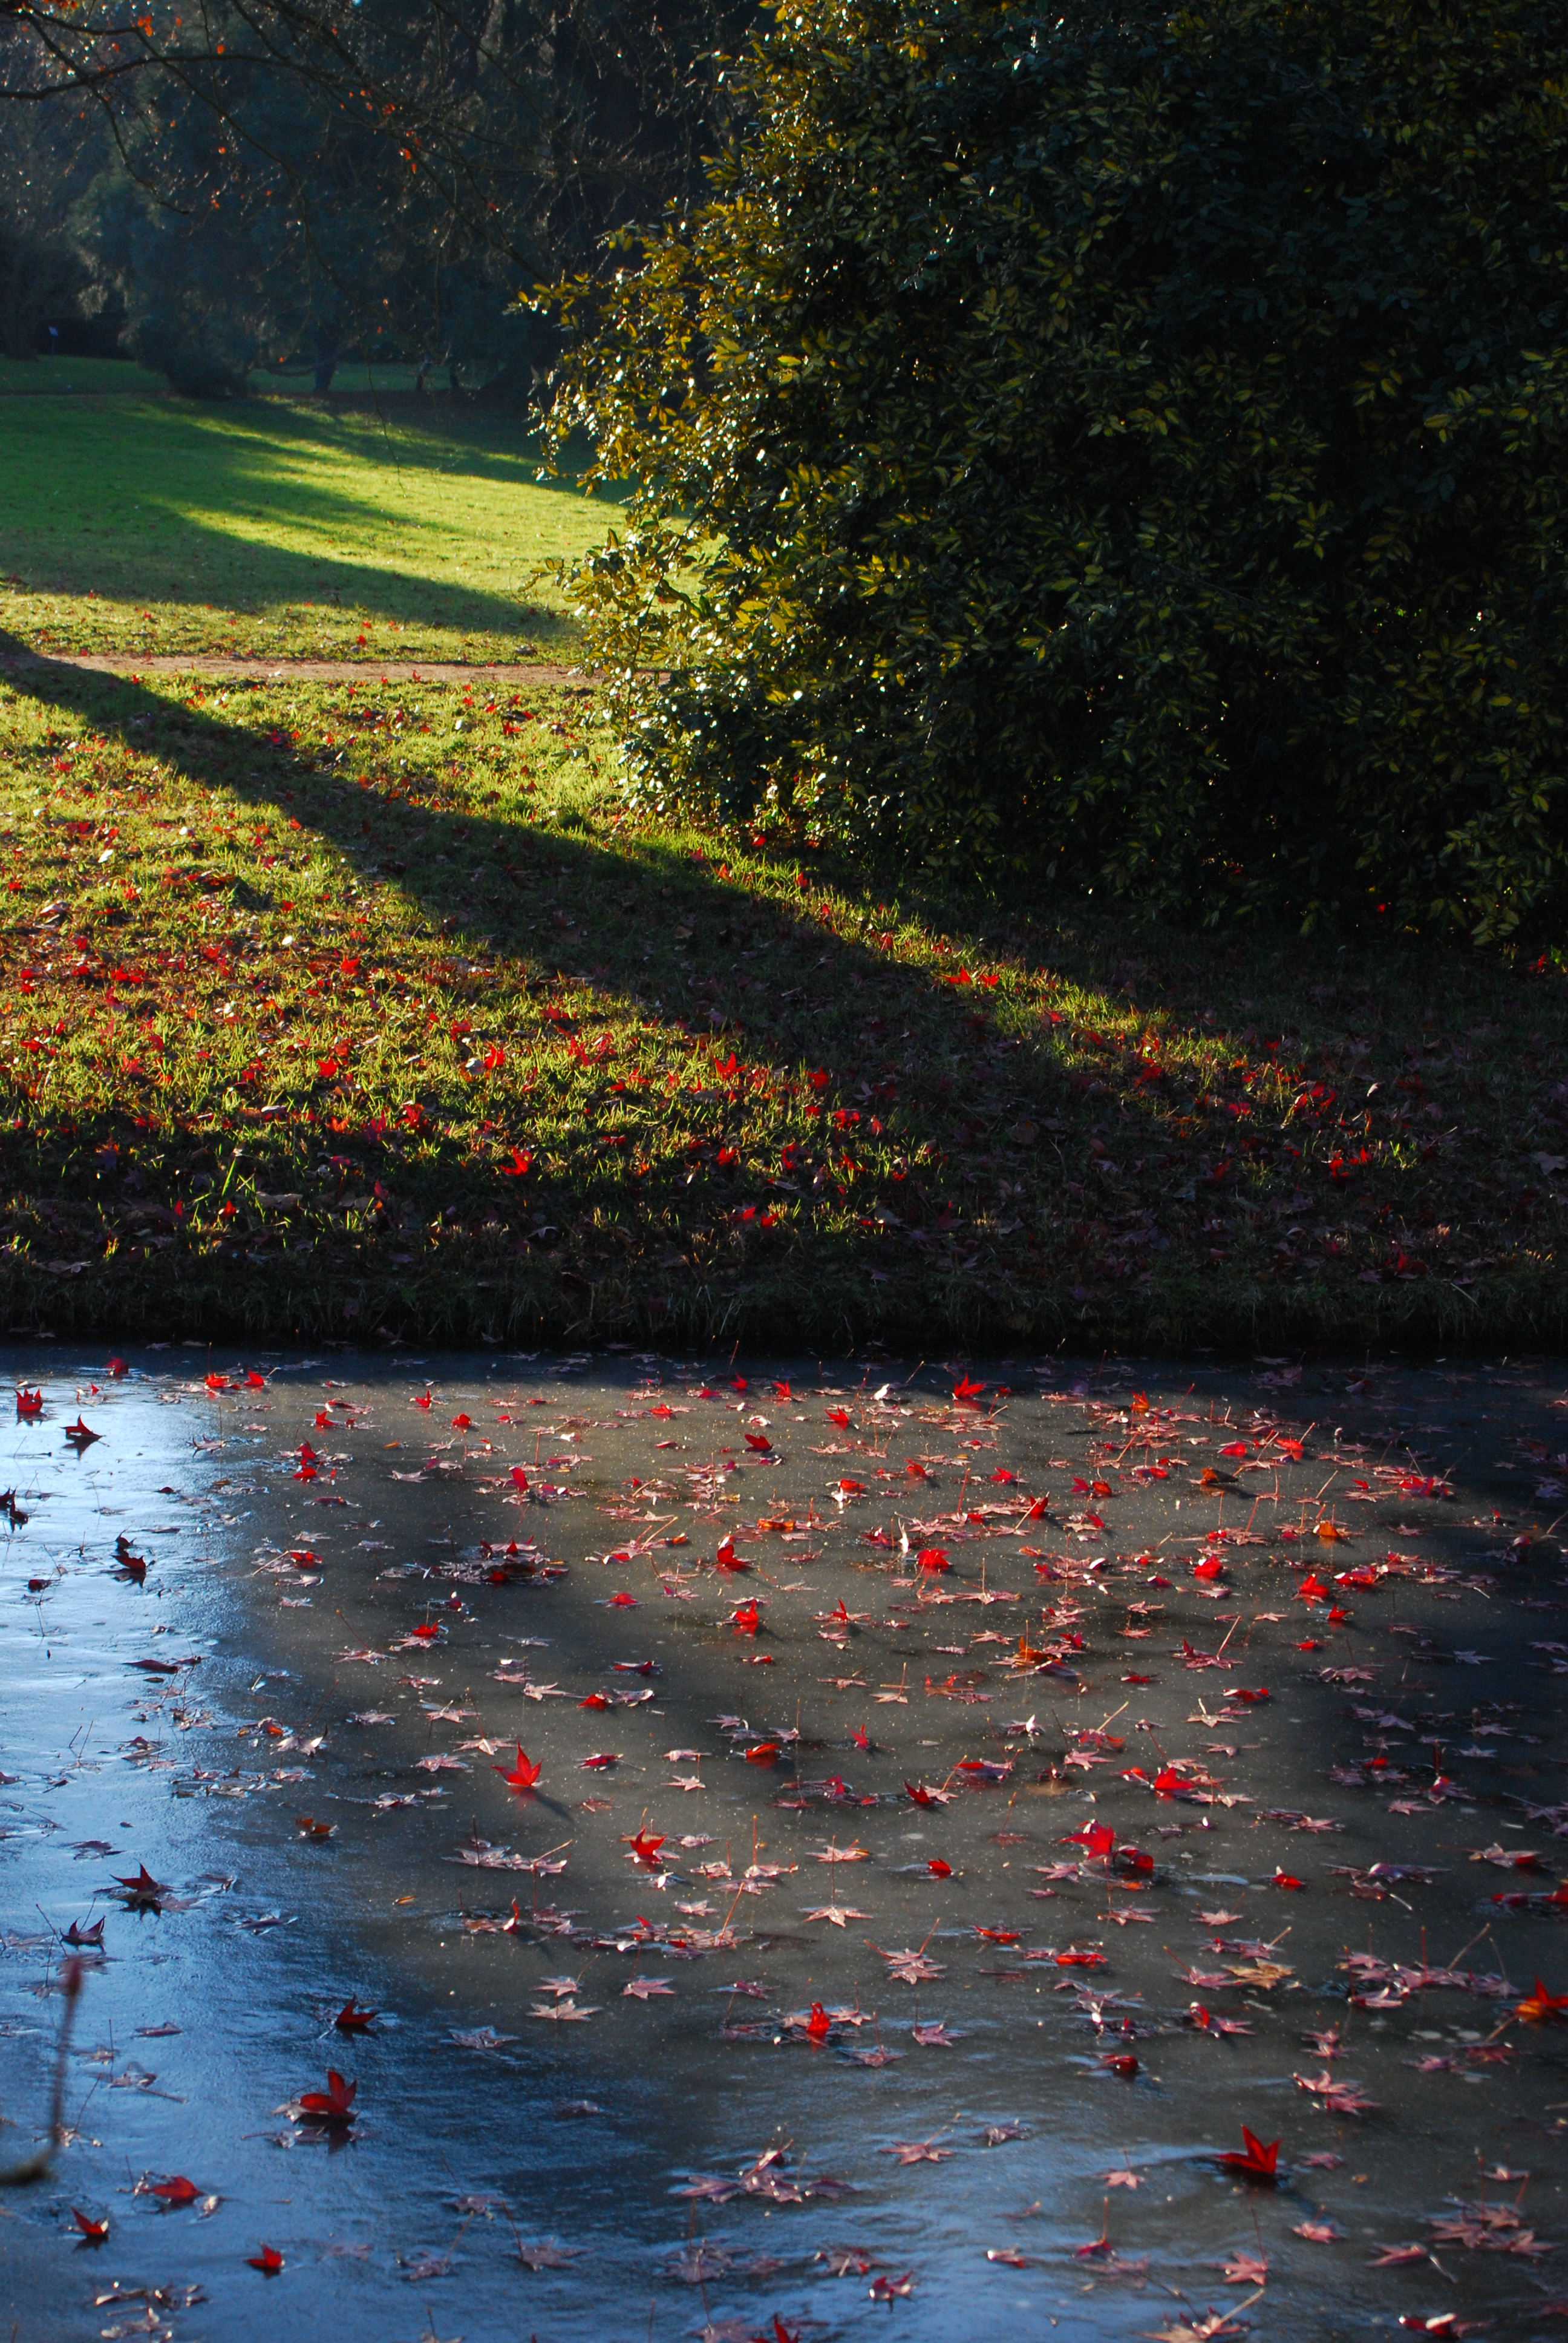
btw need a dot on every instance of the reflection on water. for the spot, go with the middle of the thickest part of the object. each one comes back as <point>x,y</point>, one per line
<point>958,1808</point>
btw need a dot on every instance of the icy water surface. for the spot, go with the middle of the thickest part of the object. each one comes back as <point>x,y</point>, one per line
<point>957,1815</point>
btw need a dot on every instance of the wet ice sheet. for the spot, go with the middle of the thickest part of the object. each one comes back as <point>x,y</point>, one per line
<point>833,2037</point>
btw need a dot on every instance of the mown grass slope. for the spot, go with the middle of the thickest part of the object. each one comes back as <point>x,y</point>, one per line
<point>139,523</point>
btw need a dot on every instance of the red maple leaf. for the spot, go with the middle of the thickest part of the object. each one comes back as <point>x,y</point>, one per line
<point>335,2104</point>
<point>94,2232</point>
<point>351,2018</point>
<point>1254,2161</point>
<point>644,1847</point>
<point>524,1773</point>
<point>143,1883</point>
<point>176,2190</point>
<point>269,2261</point>
<point>29,1403</point>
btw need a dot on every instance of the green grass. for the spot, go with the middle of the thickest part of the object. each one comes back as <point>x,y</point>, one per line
<point>338,1010</point>
<point>56,377</point>
<point>335,1011</point>
<point>153,525</point>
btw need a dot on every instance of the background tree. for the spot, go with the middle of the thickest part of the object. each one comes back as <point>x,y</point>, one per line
<point>302,178</point>
<point>47,160</point>
<point>1125,442</point>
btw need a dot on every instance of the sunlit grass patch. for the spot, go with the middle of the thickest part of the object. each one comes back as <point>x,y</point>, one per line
<point>146,525</point>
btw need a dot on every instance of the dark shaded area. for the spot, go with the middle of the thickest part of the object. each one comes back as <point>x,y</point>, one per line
<point>1421,1730</point>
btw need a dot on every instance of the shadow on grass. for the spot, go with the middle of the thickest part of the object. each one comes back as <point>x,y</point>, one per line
<point>1042,1196</point>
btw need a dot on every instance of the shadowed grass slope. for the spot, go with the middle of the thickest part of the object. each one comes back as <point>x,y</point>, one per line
<point>352,1009</point>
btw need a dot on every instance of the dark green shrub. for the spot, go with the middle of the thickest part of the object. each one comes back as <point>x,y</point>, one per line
<point>1127,441</point>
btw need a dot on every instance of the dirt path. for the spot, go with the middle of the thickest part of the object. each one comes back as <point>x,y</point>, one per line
<point>258,671</point>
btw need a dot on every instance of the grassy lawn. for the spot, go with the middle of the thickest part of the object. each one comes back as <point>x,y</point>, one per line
<point>147,523</point>
<point>336,1009</point>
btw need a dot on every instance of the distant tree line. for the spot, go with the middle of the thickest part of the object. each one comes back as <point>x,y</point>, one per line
<point>215,188</point>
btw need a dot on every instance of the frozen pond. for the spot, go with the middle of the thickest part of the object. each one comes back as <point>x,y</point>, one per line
<point>963,1802</point>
